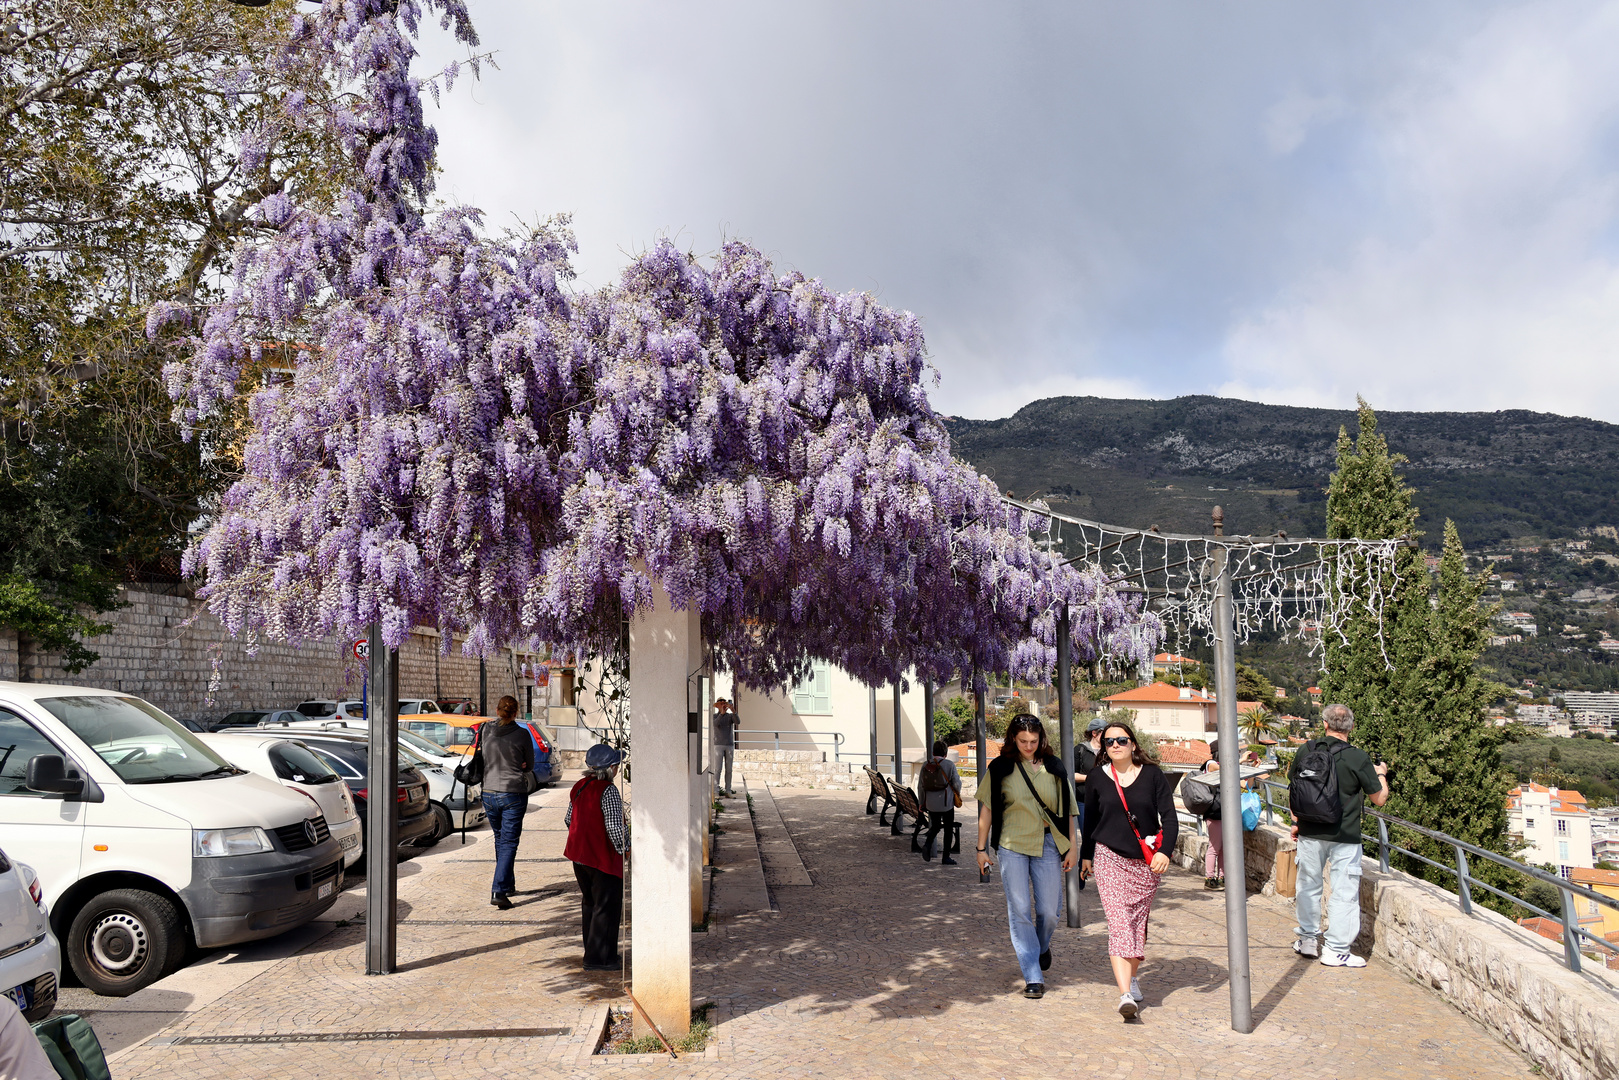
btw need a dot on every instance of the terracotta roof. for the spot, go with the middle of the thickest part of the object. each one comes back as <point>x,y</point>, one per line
<point>1191,752</point>
<point>1172,658</point>
<point>1585,876</point>
<point>1546,928</point>
<point>1162,692</point>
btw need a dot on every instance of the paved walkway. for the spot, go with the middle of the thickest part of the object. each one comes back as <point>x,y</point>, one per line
<point>873,964</point>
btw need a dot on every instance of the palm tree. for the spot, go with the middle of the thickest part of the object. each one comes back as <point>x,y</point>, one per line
<point>1261,722</point>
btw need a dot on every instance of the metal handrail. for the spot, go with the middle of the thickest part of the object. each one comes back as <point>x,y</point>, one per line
<point>837,740</point>
<point>1572,931</point>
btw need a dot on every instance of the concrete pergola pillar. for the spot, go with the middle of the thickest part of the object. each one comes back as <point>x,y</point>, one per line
<point>665,651</point>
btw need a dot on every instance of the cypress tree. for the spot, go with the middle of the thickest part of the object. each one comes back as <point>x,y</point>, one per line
<point>1418,694</point>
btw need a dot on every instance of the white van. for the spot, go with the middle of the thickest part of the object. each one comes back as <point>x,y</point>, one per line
<point>145,840</point>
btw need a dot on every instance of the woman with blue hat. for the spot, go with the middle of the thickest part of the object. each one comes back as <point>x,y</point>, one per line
<point>597,840</point>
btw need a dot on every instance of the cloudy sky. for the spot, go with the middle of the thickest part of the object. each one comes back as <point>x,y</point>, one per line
<point>1278,200</point>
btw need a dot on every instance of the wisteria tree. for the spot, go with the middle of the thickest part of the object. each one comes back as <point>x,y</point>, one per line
<point>468,443</point>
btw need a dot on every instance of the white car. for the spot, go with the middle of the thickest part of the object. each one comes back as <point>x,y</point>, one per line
<point>423,746</point>
<point>291,764</point>
<point>418,707</point>
<point>455,806</point>
<point>146,840</point>
<point>30,959</point>
<point>332,710</point>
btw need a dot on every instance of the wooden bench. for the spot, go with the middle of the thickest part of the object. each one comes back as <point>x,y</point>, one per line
<point>910,804</point>
<point>879,790</point>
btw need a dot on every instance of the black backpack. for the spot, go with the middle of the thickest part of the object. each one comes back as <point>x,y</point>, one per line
<point>1312,794</point>
<point>933,777</point>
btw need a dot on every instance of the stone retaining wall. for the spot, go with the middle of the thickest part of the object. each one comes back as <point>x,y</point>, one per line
<point>170,650</point>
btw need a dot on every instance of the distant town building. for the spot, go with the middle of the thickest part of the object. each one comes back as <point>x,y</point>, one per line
<point>1554,823</point>
<point>1585,703</point>
<point>1595,918</point>
<point>1608,644</point>
<point>1178,712</point>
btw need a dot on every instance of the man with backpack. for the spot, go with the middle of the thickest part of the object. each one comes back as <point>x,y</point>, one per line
<point>1327,787</point>
<point>941,794</point>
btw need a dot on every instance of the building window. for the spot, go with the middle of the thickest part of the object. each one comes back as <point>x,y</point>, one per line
<point>814,694</point>
<point>1562,849</point>
<point>1562,825</point>
<point>1565,872</point>
<point>1529,823</point>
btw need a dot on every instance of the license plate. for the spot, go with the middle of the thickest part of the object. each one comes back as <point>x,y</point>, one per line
<point>325,890</point>
<point>19,996</point>
<point>349,842</point>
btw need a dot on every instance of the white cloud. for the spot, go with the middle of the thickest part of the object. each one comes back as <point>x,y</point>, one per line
<point>1489,276</point>
<point>1288,122</point>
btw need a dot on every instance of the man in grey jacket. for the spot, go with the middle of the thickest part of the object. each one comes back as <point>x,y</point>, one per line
<point>940,784</point>
<point>725,722</point>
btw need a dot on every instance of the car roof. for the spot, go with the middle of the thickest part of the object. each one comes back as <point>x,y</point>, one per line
<point>33,691</point>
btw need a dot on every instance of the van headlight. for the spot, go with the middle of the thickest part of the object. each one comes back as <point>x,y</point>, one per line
<point>212,843</point>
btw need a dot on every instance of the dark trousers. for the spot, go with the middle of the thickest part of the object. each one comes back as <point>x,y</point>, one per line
<point>601,906</point>
<point>937,820</point>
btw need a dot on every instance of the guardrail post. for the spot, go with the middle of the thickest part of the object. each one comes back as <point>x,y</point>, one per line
<point>1463,894</point>
<point>1383,845</point>
<point>1571,936</point>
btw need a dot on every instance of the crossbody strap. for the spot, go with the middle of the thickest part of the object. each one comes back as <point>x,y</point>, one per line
<point>1146,852</point>
<point>1050,813</point>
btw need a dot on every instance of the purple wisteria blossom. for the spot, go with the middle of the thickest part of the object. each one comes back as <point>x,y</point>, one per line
<point>467,443</point>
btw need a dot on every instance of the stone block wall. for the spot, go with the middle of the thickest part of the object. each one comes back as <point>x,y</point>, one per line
<point>1263,849</point>
<point>170,650</point>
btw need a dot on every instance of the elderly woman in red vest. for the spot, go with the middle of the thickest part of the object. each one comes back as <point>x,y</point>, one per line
<point>597,840</point>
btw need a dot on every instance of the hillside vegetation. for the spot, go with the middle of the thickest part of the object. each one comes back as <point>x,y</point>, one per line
<point>1131,462</point>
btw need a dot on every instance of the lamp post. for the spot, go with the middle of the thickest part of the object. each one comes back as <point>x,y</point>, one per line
<point>1236,891</point>
<point>382,818</point>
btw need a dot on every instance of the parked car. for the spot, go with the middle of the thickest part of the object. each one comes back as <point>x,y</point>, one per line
<point>240,718</point>
<point>418,705</point>
<point>147,841</point>
<point>460,706</point>
<point>353,709</point>
<point>347,757</point>
<point>455,806</point>
<point>461,738</point>
<point>30,959</point>
<point>254,719</point>
<point>194,726</point>
<point>294,765</point>
<point>426,747</point>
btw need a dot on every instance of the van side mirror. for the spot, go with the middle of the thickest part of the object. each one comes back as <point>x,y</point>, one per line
<point>48,773</point>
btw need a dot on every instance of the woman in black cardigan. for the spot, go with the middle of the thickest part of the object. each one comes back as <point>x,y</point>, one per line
<point>1119,834</point>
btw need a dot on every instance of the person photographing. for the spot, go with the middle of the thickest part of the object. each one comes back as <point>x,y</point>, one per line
<point>1026,817</point>
<point>1329,783</point>
<point>1130,823</point>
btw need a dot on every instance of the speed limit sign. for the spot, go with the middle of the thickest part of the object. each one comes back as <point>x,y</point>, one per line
<point>362,649</point>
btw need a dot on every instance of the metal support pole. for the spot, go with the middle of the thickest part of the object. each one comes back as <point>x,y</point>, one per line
<point>898,765</point>
<point>1065,735</point>
<point>1382,845</point>
<point>382,813</point>
<point>528,697</point>
<point>483,687</point>
<point>1236,891</point>
<point>981,733</point>
<point>873,727</point>
<point>1463,893</point>
<point>929,735</point>
<point>1571,937</point>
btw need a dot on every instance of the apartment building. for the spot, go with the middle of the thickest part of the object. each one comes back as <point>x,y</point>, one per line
<point>1554,823</point>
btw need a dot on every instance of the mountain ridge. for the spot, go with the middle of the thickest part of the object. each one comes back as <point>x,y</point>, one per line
<point>1139,462</point>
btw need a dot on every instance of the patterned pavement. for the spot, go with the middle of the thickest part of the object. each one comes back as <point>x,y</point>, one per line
<point>880,965</point>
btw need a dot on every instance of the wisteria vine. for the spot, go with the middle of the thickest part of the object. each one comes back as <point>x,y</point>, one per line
<point>469,444</point>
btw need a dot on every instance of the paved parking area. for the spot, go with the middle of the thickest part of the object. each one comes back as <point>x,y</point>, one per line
<point>872,964</point>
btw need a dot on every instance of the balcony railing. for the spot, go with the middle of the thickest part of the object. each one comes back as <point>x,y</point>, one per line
<point>794,740</point>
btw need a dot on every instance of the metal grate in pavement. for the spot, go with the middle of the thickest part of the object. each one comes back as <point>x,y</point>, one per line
<point>360,1036</point>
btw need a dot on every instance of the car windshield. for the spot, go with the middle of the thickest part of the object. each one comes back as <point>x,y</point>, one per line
<point>292,761</point>
<point>421,745</point>
<point>318,709</point>
<point>143,744</point>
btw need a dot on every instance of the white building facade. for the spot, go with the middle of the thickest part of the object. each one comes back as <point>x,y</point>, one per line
<point>1554,823</point>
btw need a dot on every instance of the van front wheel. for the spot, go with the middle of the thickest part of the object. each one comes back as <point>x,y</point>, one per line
<point>124,940</point>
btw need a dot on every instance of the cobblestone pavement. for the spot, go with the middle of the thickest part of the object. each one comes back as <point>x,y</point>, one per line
<point>882,966</point>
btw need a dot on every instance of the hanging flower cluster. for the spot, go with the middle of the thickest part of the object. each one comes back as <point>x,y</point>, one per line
<point>472,446</point>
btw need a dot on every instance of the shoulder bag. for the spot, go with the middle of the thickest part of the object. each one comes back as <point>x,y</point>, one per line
<point>1149,847</point>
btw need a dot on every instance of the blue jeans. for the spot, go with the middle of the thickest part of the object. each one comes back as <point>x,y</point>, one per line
<point>1343,909</point>
<point>505,810</point>
<point>1033,901</point>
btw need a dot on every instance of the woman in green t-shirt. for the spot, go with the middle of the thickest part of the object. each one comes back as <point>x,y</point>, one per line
<point>1026,815</point>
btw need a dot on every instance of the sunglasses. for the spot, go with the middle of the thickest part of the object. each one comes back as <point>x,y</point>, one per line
<point>1118,740</point>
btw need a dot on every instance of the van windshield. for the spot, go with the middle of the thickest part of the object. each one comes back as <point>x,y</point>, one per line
<point>143,744</point>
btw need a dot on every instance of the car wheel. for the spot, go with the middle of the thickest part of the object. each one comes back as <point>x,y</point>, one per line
<point>442,826</point>
<point>124,940</point>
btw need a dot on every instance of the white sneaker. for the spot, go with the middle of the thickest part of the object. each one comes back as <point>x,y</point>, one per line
<point>1342,959</point>
<point>1305,947</point>
<point>1135,991</point>
<point>1128,1007</point>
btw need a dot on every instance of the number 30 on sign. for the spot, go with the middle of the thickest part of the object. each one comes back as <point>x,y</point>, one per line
<point>362,649</point>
